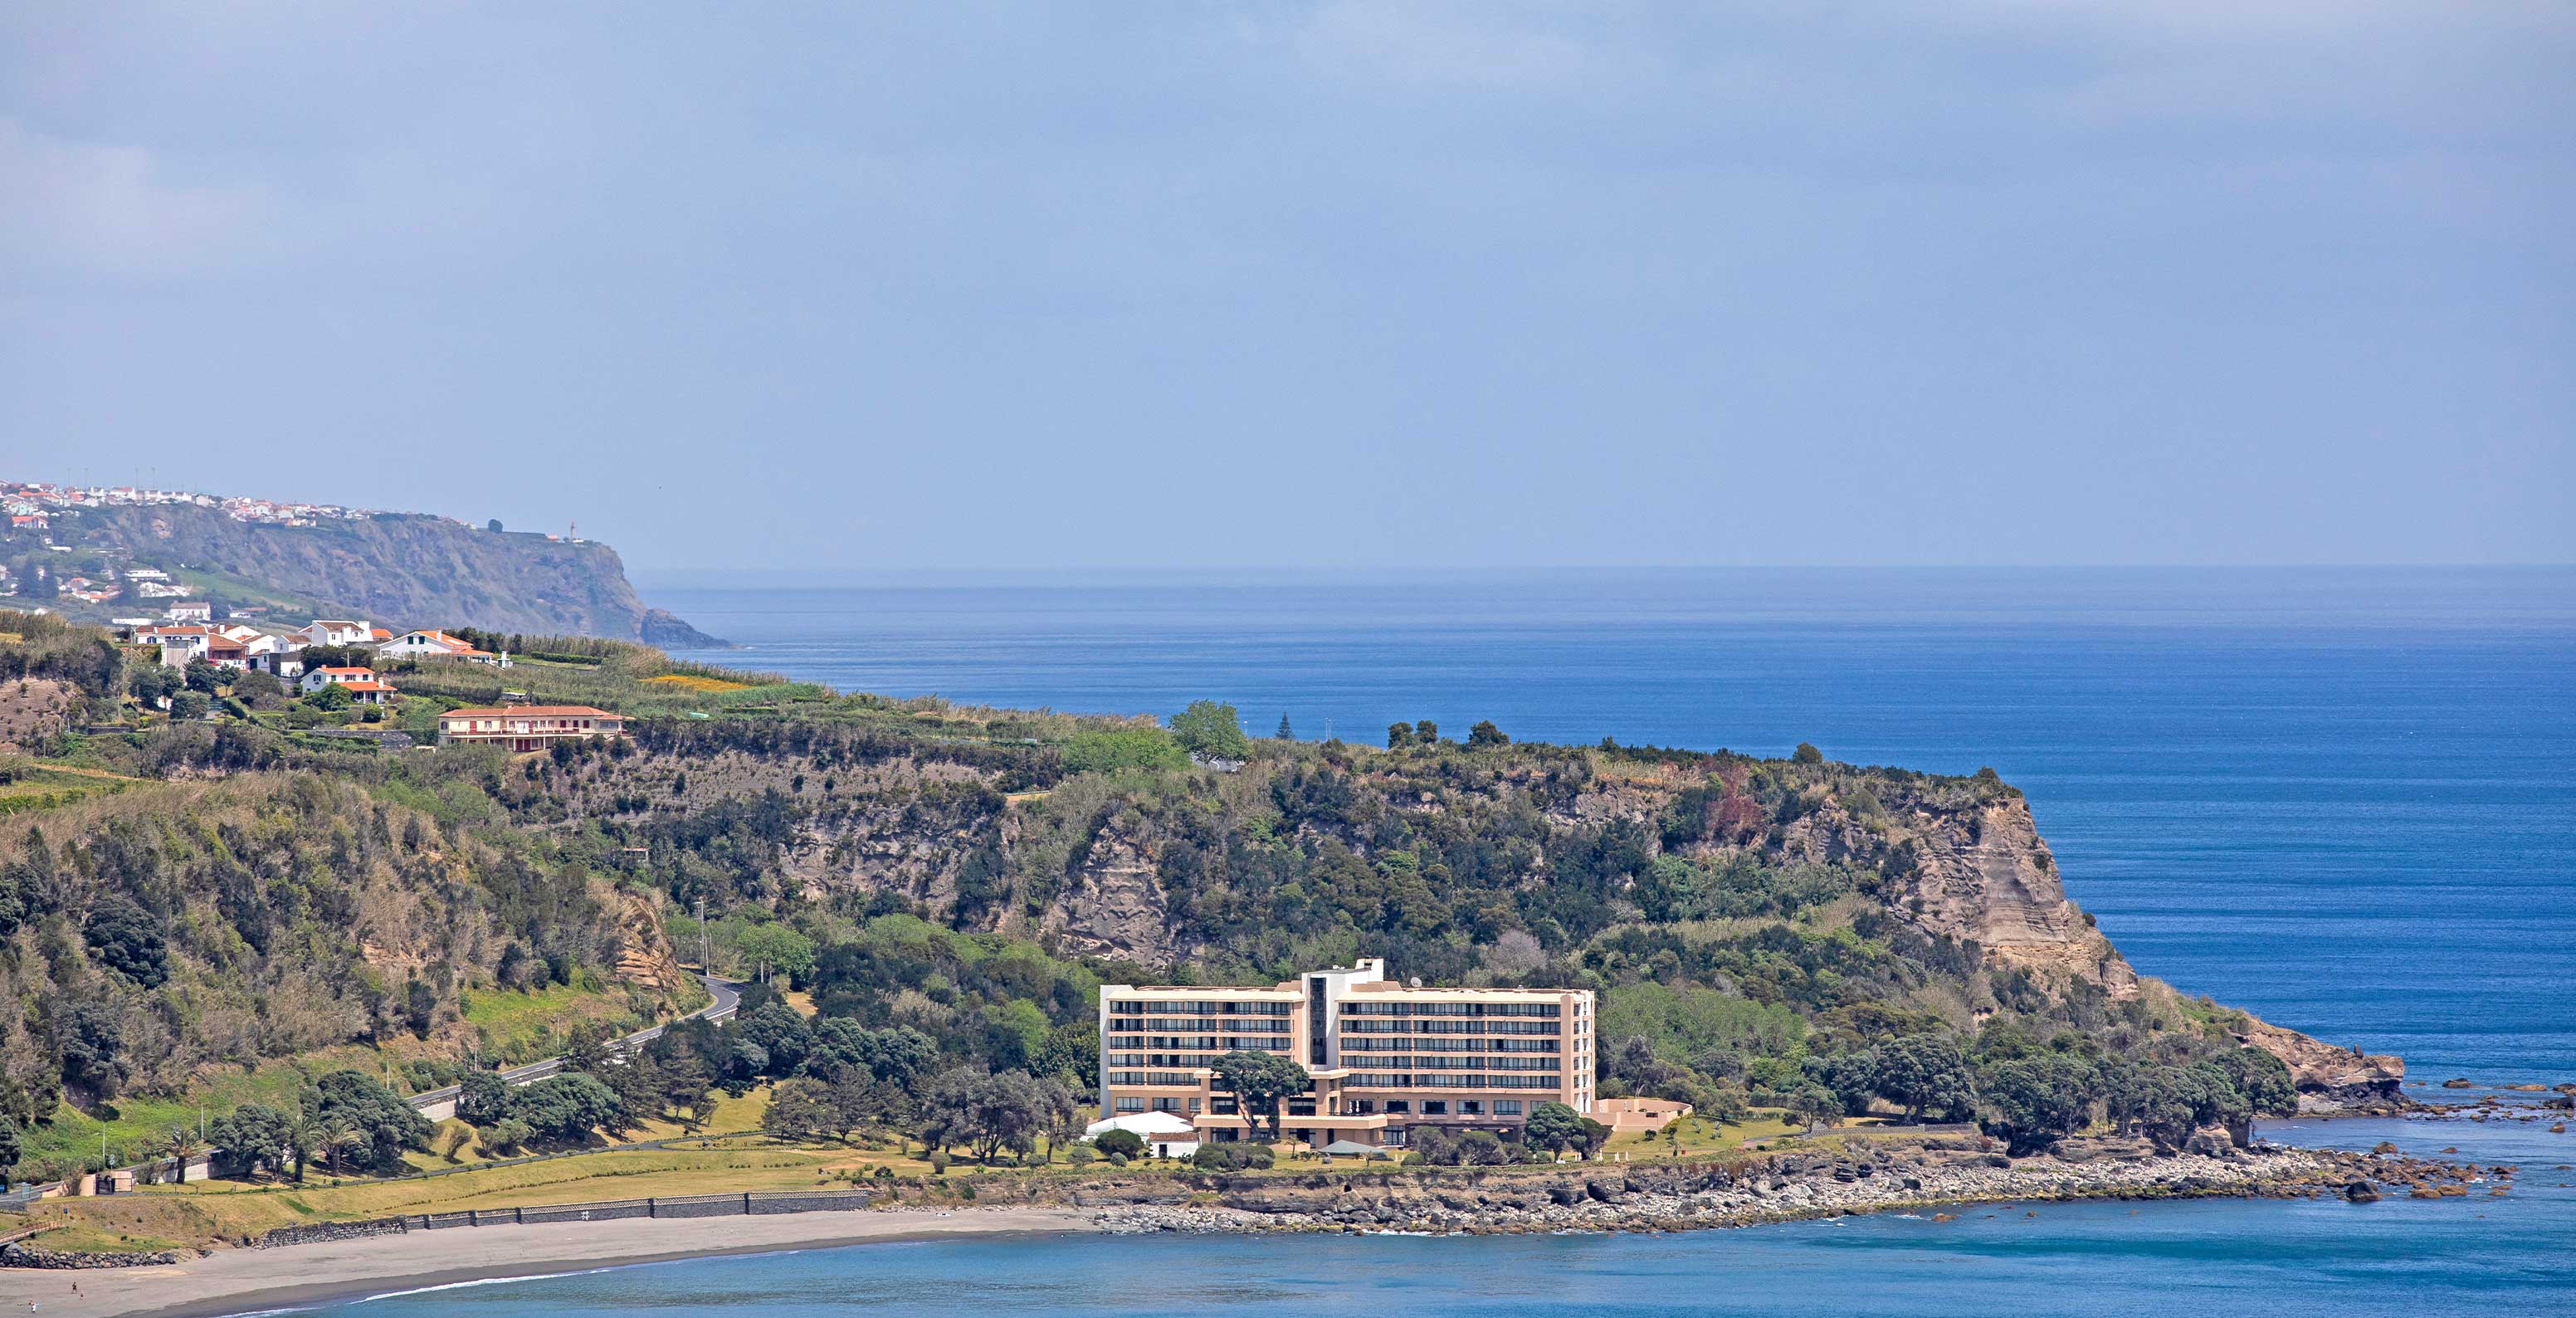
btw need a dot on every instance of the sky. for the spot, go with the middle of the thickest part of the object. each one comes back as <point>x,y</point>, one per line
<point>821,288</point>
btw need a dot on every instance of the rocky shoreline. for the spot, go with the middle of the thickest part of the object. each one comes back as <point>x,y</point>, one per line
<point>1667,1197</point>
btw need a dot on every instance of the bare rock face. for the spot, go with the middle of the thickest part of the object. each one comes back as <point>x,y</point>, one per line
<point>33,710</point>
<point>1986,877</point>
<point>1112,905</point>
<point>644,954</point>
<point>2329,1079</point>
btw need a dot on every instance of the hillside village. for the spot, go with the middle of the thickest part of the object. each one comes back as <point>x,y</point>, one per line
<point>120,555</point>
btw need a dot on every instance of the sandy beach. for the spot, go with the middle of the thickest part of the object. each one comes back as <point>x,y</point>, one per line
<point>243,1280</point>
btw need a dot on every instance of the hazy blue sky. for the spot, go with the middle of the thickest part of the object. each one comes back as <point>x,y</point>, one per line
<point>973,286</point>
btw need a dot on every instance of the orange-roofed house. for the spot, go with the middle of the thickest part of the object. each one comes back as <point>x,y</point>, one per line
<point>431,644</point>
<point>528,727</point>
<point>362,684</point>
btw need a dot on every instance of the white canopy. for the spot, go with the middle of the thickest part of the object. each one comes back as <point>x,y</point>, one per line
<point>1146,1124</point>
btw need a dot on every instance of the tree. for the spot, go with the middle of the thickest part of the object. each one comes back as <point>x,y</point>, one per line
<point>183,1144</point>
<point>1485,736</point>
<point>2167,1103</point>
<point>1285,732</point>
<point>128,940</point>
<point>1398,736</point>
<point>493,526</point>
<point>387,1124</point>
<point>331,697</point>
<point>1259,1081</point>
<point>1059,1114</point>
<point>1126,1143</point>
<point>254,1136</point>
<point>769,948</point>
<point>203,677</point>
<point>566,1107</point>
<point>900,1055</point>
<point>801,1109</point>
<point>991,1112</point>
<point>2262,1079</point>
<point>1553,1127</point>
<point>1211,731</point>
<point>1816,1105</point>
<point>1594,1136</point>
<point>1426,732</point>
<point>2033,1101</point>
<point>11,1148</point>
<point>1806,754</point>
<point>188,706</point>
<point>1924,1072</point>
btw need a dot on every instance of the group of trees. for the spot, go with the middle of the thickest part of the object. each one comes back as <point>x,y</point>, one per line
<point>1423,732</point>
<point>2020,1090</point>
<point>345,1117</point>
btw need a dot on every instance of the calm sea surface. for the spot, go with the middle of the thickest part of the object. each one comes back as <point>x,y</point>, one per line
<point>2345,799</point>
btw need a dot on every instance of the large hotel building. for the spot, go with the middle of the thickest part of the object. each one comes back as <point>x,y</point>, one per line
<point>1381,1055</point>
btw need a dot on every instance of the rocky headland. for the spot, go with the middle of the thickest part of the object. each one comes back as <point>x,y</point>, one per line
<point>1780,1188</point>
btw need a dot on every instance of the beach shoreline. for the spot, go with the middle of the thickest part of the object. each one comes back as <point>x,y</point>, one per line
<point>245,1281</point>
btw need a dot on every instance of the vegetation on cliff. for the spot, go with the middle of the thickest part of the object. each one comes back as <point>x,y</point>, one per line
<point>948,887</point>
<point>405,569</point>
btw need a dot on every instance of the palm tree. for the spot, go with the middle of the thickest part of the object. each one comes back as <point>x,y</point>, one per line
<point>339,1133</point>
<point>182,1145</point>
<point>305,1135</point>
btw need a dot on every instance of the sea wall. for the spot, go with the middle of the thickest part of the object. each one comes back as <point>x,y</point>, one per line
<point>753,1203</point>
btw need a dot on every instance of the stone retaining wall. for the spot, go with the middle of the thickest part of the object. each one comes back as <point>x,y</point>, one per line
<point>755,1203</point>
<point>22,1256</point>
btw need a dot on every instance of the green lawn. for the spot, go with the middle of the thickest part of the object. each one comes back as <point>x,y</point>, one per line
<point>135,1127</point>
<point>526,1026</point>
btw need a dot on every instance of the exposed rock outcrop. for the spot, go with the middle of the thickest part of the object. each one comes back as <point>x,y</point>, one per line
<point>1985,876</point>
<point>2329,1079</point>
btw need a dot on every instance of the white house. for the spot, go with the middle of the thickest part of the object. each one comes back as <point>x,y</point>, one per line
<point>1166,1134</point>
<point>280,656</point>
<point>337,631</point>
<point>190,611</point>
<point>431,644</point>
<point>178,644</point>
<point>363,684</point>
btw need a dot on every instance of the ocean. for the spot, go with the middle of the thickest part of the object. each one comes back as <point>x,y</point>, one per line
<point>2342,798</point>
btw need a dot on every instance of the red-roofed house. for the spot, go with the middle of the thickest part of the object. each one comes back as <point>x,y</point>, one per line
<point>438,645</point>
<point>365,684</point>
<point>528,727</point>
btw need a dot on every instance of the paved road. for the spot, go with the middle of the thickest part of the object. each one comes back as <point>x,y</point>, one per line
<point>726,993</point>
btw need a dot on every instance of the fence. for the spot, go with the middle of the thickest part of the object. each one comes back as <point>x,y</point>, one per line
<point>753,1203</point>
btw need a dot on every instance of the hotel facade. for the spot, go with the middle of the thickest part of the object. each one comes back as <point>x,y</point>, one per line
<point>1381,1056</point>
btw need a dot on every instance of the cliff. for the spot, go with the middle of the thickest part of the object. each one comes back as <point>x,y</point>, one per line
<point>402,569</point>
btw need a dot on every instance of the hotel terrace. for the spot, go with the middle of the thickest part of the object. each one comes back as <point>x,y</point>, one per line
<point>1380,1055</point>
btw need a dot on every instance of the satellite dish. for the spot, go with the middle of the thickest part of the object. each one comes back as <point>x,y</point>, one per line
<point>1416,981</point>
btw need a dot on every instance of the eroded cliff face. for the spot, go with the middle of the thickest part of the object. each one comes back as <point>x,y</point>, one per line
<point>1985,876</point>
<point>1113,904</point>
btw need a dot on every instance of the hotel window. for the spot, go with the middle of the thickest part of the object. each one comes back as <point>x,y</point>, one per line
<point>1507,1107</point>
<point>1471,1108</point>
<point>1131,1105</point>
<point>1435,1107</point>
<point>1399,1105</point>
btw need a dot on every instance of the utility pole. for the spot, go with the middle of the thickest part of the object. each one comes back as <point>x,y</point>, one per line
<point>706,966</point>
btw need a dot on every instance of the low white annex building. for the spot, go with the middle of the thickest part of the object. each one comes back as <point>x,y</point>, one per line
<point>1165,1135</point>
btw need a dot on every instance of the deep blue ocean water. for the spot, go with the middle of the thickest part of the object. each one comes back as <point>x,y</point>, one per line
<point>2342,798</point>
<point>2345,799</point>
